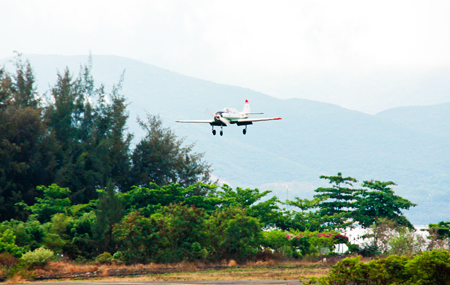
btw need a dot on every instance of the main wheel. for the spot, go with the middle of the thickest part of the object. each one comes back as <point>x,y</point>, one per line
<point>221,133</point>
<point>244,131</point>
<point>214,132</point>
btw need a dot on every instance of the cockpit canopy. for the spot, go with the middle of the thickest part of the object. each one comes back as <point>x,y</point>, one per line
<point>230,110</point>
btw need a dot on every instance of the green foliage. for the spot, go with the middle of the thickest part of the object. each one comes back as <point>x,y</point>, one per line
<point>104,258</point>
<point>89,126</point>
<point>439,231</point>
<point>309,217</point>
<point>138,236</point>
<point>174,233</point>
<point>55,200</point>
<point>381,271</point>
<point>233,234</point>
<point>109,212</point>
<point>341,205</point>
<point>39,257</point>
<point>337,202</point>
<point>181,234</point>
<point>285,245</point>
<point>161,158</point>
<point>430,267</point>
<point>26,147</point>
<point>29,235</point>
<point>8,244</point>
<point>267,212</point>
<point>379,201</point>
<point>148,200</point>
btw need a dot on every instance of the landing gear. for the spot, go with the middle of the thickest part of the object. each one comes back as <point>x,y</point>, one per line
<point>244,131</point>
<point>214,131</point>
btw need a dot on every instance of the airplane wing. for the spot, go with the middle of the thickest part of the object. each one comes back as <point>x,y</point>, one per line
<point>257,120</point>
<point>195,121</point>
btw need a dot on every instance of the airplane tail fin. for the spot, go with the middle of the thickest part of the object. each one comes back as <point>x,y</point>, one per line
<point>246,107</point>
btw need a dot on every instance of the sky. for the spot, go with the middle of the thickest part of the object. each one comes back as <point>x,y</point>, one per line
<point>281,48</point>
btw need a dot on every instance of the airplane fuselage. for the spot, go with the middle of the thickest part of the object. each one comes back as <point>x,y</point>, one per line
<point>232,115</point>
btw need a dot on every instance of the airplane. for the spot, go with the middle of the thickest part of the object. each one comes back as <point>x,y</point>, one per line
<point>230,116</point>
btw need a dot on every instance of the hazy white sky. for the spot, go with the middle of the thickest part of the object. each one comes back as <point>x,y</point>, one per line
<point>257,44</point>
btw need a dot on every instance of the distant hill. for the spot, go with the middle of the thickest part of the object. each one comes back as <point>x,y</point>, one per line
<point>313,138</point>
<point>433,120</point>
<point>372,90</point>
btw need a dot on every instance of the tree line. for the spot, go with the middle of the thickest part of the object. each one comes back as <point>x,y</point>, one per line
<point>71,182</point>
<point>76,136</point>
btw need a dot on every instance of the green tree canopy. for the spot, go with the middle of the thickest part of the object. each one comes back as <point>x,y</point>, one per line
<point>337,201</point>
<point>379,201</point>
<point>26,147</point>
<point>161,158</point>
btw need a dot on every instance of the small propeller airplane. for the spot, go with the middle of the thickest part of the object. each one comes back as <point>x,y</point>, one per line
<point>230,116</point>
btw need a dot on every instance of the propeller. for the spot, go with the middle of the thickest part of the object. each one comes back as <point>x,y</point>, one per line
<point>218,117</point>
<point>225,121</point>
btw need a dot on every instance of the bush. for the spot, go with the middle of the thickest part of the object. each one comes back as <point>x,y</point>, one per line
<point>39,257</point>
<point>118,256</point>
<point>432,267</point>
<point>104,258</point>
<point>7,260</point>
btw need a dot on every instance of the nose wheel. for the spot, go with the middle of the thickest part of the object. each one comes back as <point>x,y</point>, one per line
<point>244,131</point>
<point>214,132</point>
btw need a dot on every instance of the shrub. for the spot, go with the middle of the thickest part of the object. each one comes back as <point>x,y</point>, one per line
<point>39,257</point>
<point>431,267</point>
<point>118,256</point>
<point>7,260</point>
<point>104,258</point>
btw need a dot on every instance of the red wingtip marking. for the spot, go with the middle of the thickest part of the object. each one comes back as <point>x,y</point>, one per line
<point>177,121</point>
<point>246,101</point>
<point>278,118</point>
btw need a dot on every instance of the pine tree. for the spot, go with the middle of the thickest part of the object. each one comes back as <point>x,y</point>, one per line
<point>91,131</point>
<point>161,158</point>
<point>26,147</point>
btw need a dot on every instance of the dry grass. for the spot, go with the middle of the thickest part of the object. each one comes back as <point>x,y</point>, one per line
<point>232,262</point>
<point>17,279</point>
<point>248,272</point>
<point>226,270</point>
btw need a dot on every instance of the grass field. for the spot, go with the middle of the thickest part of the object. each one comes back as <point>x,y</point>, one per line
<point>269,270</point>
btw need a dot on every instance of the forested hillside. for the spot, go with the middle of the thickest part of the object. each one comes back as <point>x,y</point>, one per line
<point>312,139</point>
